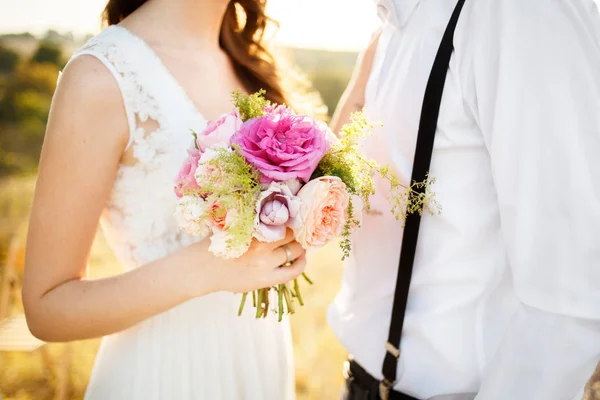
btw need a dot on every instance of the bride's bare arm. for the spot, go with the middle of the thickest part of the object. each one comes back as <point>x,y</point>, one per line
<point>86,135</point>
<point>353,99</point>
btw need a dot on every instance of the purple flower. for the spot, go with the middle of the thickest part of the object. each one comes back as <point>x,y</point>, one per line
<point>275,207</point>
<point>283,145</point>
<point>274,212</point>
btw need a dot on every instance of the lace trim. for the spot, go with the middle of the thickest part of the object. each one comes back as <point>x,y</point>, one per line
<point>139,104</point>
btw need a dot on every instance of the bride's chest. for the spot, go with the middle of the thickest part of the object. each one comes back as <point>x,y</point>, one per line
<point>206,79</point>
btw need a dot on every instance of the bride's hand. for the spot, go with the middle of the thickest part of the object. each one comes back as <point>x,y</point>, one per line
<point>260,267</point>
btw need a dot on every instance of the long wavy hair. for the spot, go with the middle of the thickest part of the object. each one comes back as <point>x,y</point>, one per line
<point>241,37</point>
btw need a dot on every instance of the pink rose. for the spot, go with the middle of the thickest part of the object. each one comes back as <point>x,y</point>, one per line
<point>323,211</point>
<point>185,183</point>
<point>274,209</point>
<point>218,217</point>
<point>218,133</point>
<point>219,221</point>
<point>283,145</point>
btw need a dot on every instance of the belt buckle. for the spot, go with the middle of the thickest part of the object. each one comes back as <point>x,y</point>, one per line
<point>385,387</point>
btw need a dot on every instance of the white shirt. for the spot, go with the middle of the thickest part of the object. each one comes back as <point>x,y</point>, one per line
<point>505,295</point>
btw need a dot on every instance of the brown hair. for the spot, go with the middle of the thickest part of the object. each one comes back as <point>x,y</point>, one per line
<point>241,38</point>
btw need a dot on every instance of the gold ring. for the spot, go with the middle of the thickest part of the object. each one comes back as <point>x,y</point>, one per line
<point>288,255</point>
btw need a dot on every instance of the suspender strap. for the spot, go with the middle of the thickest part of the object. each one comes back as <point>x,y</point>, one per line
<point>428,124</point>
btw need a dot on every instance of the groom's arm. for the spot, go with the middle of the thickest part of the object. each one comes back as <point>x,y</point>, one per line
<point>535,69</point>
<point>353,99</point>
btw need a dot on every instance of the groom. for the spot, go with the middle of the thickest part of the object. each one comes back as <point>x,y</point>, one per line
<point>504,300</point>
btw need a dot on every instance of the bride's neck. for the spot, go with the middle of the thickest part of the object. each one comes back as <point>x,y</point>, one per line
<point>193,23</point>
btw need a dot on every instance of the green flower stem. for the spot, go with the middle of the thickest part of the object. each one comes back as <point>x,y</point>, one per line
<point>259,311</point>
<point>266,302</point>
<point>254,298</point>
<point>297,292</point>
<point>289,300</point>
<point>280,301</point>
<point>242,304</point>
<point>307,278</point>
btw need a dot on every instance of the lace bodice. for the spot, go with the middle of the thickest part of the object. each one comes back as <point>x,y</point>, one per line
<point>138,220</point>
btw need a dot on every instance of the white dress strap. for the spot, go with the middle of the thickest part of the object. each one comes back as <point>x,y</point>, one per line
<point>108,48</point>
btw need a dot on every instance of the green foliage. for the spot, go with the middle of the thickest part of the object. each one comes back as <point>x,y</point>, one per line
<point>24,105</point>
<point>8,60</point>
<point>345,161</point>
<point>413,199</point>
<point>32,104</point>
<point>236,186</point>
<point>28,78</point>
<point>351,223</point>
<point>250,106</point>
<point>49,53</point>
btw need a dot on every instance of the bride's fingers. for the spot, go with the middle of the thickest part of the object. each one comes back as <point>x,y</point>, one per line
<point>289,237</point>
<point>286,274</point>
<point>288,252</point>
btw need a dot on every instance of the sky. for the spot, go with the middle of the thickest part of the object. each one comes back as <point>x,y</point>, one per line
<point>323,24</point>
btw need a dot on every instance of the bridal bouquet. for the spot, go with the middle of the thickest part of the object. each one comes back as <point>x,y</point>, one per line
<point>263,169</point>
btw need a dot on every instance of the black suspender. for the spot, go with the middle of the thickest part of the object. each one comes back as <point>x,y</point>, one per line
<point>428,124</point>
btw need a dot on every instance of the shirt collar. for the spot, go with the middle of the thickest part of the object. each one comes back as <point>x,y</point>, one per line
<point>396,12</point>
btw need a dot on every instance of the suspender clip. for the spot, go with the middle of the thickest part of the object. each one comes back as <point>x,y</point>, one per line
<point>384,389</point>
<point>393,350</point>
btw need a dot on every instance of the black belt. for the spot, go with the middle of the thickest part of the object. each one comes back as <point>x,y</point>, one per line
<point>363,386</point>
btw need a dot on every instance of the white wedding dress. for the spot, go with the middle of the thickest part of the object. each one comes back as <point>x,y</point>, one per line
<point>200,349</point>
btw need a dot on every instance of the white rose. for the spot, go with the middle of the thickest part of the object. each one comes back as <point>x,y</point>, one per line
<point>191,213</point>
<point>220,248</point>
<point>205,170</point>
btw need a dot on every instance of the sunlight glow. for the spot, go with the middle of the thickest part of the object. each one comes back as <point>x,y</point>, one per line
<point>323,24</point>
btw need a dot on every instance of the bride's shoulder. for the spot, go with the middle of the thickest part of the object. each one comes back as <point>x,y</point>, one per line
<point>88,74</point>
<point>113,47</point>
<point>93,69</point>
<point>88,89</point>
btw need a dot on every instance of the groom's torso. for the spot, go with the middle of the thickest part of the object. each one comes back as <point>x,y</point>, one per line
<point>461,296</point>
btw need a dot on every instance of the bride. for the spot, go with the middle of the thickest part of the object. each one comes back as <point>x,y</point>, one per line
<point>117,134</point>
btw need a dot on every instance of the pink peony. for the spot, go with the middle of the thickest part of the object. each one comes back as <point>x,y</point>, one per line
<point>218,133</point>
<point>283,145</point>
<point>185,183</point>
<point>274,209</point>
<point>323,212</point>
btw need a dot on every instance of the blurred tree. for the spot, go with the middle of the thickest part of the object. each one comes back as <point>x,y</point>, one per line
<point>49,52</point>
<point>8,60</point>
<point>24,35</point>
<point>38,78</point>
<point>57,37</point>
<point>24,108</point>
